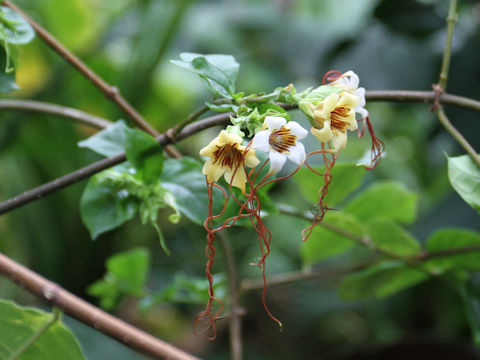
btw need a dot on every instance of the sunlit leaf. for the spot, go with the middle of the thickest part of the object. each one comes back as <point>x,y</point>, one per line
<point>109,141</point>
<point>346,178</point>
<point>14,29</point>
<point>386,199</point>
<point>389,236</point>
<point>219,71</point>
<point>464,176</point>
<point>380,280</point>
<point>324,243</point>
<point>19,324</point>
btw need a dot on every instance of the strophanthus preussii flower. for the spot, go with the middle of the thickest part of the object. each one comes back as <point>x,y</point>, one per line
<point>349,82</point>
<point>333,117</point>
<point>227,157</point>
<point>280,139</point>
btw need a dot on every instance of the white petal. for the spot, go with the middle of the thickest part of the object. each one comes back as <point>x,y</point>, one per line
<point>339,141</point>
<point>276,161</point>
<point>297,154</point>
<point>362,111</point>
<point>296,129</point>
<point>275,122</point>
<point>360,93</point>
<point>323,135</point>
<point>354,79</point>
<point>260,141</point>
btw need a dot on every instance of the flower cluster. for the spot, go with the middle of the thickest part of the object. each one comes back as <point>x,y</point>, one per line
<point>332,109</point>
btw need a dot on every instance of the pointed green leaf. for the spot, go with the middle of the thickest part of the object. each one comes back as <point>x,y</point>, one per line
<point>219,71</point>
<point>184,178</point>
<point>451,239</point>
<point>389,236</point>
<point>324,243</point>
<point>14,29</point>
<point>464,176</point>
<point>145,154</point>
<point>19,324</point>
<point>346,178</point>
<point>109,141</point>
<point>103,207</point>
<point>380,280</point>
<point>386,199</point>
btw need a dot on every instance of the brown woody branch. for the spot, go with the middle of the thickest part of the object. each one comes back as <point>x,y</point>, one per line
<point>88,314</point>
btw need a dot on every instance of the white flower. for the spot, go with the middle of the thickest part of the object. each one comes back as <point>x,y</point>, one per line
<point>349,82</point>
<point>279,139</point>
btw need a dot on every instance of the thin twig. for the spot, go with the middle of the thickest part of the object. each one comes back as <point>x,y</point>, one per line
<point>235,320</point>
<point>89,314</point>
<point>89,170</point>
<point>58,110</point>
<point>39,332</point>
<point>442,117</point>
<point>111,92</point>
<point>447,53</point>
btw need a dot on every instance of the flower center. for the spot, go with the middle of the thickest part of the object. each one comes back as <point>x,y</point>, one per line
<point>228,155</point>
<point>337,118</point>
<point>282,139</point>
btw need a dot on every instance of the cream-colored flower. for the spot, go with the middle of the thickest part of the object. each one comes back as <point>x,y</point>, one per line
<point>349,82</point>
<point>333,117</point>
<point>226,158</point>
<point>280,139</point>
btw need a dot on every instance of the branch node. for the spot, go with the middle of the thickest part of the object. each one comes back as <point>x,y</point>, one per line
<point>112,92</point>
<point>438,91</point>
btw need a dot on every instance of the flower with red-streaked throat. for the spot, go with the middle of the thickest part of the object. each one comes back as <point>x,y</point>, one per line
<point>349,82</point>
<point>333,117</point>
<point>227,157</point>
<point>279,139</point>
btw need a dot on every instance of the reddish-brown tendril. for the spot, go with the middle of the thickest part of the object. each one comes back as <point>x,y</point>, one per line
<point>331,76</point>
<point>377,149</point>
<point>320,207</point>
<point>209,314</point>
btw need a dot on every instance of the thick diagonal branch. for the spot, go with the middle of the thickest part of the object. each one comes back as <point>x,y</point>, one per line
<point>89,314</point>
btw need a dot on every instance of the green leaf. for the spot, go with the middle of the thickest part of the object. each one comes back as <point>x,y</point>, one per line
<point>464,176</point>
<point>450,239</point>
<point>186,290</point>
<point>109,141</point>
<point>346,178</point>
<point>145,154</point>
<point>19,324</point>
<point>219,71</point>
<point>380,280</point>
<point>126,276</point>
<point>103,207</point>
<point>14,29</point>
<point>7,81</point>
<point>469,291</point>
<point>389,236</point>
<point>324,243</point>
<point>222,107</point>
<point>184,178</point>
<point>385,199</point>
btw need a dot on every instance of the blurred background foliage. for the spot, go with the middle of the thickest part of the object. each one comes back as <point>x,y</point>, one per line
<point>390,44</point>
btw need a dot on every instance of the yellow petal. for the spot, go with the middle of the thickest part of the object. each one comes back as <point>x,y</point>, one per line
<point>239,179</point>
<point>251,159</point>
<point>210,148</point>
<point>348,100</point>
<point>329,104</point>
<point>339,141</point>
<point>226,138</point>
<point>323,135</point>
<point>213,171</point>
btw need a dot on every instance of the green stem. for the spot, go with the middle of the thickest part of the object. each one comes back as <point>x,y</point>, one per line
<point>442,117</point>
<point>451,20</point>
<point>40,331</point>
